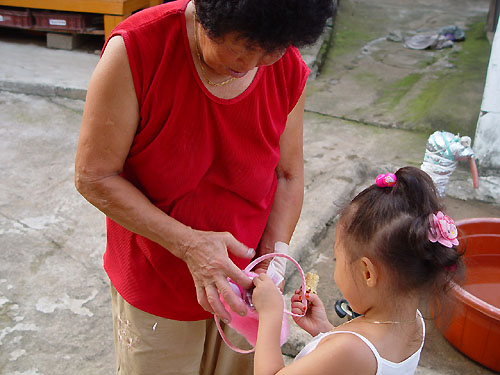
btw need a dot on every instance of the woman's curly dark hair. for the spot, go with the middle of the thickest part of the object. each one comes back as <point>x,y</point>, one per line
<point>269,24</point>
<point>392,224</point>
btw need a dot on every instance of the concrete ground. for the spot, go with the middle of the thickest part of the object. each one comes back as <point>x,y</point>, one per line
<point>54,297</point>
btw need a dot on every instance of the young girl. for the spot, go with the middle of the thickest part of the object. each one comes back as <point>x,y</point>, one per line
<point>393,246</point>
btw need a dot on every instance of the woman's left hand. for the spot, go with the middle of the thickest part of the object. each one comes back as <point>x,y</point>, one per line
<point>266,296</point>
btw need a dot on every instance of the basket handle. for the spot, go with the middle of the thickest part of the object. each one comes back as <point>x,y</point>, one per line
<point>295,263</point>
<point>247,269</point>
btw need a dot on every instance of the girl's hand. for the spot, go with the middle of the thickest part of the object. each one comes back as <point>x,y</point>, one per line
<point>315,320</point>
<point>266,296</point>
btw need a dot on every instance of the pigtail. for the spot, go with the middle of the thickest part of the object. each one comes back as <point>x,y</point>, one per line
<point>442,263</point>
<point>418,192</point>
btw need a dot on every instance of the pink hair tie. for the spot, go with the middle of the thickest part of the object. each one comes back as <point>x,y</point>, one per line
<point>386,180</point>
<point>451,268</point>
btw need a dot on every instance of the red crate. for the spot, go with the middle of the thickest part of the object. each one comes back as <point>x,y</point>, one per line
<point>15,17</point>
<point>68,21</point>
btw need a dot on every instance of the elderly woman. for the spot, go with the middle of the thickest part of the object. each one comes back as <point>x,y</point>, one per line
<point>191,144</point>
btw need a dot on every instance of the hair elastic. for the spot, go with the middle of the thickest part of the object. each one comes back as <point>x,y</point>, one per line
<point>451,268</point>
<point>386,180</point>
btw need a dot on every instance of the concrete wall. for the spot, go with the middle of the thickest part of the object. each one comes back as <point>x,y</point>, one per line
<point>487,140</point>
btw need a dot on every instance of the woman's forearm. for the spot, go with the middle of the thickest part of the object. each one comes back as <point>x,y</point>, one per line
<point>284,213</point>
<point>122,202</point>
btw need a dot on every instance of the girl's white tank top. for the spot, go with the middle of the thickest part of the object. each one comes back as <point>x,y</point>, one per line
<point>384,366</point>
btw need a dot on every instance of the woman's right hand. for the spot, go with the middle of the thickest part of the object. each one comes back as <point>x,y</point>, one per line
<point>207,258</point>
<point>315,321</point>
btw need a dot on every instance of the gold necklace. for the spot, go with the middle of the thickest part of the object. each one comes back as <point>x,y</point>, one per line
<point>389,321</point>
<point>365,320</point>
<point>203,72</point>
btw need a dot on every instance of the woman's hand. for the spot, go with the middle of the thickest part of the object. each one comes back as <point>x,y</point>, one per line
<point>266,297</point>
<point>207,259</point>
<point>315,320</point>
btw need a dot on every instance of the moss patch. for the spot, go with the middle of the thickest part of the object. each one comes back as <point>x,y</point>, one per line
<point>429,60</point>
<point>348,39</point>
<point>392,95</point>
<point>353,27</point>
<point>451,99</point>
<point>366,77</point>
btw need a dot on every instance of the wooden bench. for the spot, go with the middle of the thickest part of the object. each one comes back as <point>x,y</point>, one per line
<point>114,11</point>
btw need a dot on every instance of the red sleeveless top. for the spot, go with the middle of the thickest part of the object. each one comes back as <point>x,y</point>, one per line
<point>205,161</point>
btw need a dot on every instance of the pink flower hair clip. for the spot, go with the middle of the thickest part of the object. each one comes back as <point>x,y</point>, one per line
<point>386,180</point>
<point>443,230</point>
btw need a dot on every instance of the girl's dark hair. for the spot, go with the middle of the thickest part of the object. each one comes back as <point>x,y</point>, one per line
<point>391,225</point>
<point>269,24</point>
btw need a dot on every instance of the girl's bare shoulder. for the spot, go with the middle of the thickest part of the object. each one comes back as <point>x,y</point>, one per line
<point>340,353</point>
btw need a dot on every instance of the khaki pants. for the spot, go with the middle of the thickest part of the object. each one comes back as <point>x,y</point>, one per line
<point>149,345</point>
